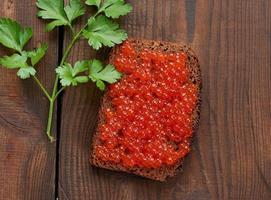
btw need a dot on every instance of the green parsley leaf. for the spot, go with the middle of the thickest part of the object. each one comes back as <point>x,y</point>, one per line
<point>26,72</point>
<point>18,61</point>
<point>12,35</point>
<point>103,31</point>
<point>74,10</point>
<point>82,79</point>
<point>80,66</point>
<point>69,75</point>
<point>14,61</point>
<point>94,3</point>
<point>109,74</point>
<point>54,10</point>
<point>100,84</point>
<point>116,8</point>
<point>99,74</point>
<point>94,68</point>
<point>65,73</point>
<point>37,54</point>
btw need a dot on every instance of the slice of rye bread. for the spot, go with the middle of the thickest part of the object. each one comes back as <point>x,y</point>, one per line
<point>163,172</point>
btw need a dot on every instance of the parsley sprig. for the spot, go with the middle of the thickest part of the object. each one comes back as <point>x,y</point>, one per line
<point>100,30</point>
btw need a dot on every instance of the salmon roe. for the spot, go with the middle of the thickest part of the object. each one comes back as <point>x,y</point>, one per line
<point>150,121</point>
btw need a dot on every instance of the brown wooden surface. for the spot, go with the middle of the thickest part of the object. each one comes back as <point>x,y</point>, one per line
<point>27,159</point>
<point>231,154</point>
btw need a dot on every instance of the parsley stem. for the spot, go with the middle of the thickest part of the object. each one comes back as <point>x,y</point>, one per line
<point>42,87</point>
<point>67,51</point>
<point>72,29</point>
<point>65,55</point>
<point>61,89</point>
<point>50,117</point>
<point>55,93</point>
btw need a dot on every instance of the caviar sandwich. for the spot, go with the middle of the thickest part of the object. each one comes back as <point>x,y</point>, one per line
<point>148,118</point>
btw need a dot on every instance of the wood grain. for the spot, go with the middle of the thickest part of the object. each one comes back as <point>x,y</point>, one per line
<point>27,159</point>
<point>231,154</point>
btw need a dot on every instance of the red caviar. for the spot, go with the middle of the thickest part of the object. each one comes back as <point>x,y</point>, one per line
<point>150,122</point>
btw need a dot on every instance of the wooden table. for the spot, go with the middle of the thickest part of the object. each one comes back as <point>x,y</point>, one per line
<point>231,156</point>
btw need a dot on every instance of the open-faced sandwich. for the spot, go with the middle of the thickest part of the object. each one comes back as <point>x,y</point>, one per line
<point>148,118</point>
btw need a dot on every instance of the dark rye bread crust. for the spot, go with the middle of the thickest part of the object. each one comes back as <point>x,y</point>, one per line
<point>163,172</point>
